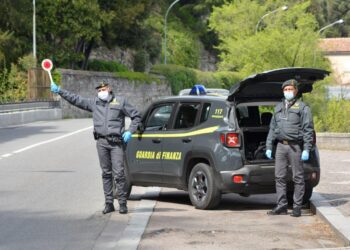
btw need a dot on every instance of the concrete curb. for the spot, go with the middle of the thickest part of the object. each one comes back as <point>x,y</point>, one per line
<point>133,232</point>
<point>331,215</point>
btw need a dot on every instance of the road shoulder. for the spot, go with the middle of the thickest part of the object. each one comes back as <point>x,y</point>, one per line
<point>331,215</point>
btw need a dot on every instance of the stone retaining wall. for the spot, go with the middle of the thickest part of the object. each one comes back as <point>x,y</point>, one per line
<point>84,82</point>
<point>334,141</point>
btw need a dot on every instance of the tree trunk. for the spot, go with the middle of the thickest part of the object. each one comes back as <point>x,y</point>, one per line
<point>87,53</point>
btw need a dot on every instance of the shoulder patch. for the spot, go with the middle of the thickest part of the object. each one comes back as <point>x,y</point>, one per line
<point>296,105</point>
<point>115,102</point>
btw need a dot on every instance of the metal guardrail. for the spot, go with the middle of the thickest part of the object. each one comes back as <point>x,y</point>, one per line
<point>28,105</point>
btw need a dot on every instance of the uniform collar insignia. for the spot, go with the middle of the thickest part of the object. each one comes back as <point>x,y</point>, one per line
<point>115,102</point>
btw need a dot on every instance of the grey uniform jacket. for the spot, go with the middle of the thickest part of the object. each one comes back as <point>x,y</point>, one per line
<point>108,116</point>
<point>292,124</point>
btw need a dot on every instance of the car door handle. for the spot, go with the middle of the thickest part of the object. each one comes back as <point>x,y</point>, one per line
<point>186,140</point>
<point>156,140</point>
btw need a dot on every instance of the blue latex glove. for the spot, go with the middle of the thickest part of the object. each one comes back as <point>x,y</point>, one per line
<point>269,154</point>
<point>54,88</point>
<point>126,136</point>
<point>305,155</point>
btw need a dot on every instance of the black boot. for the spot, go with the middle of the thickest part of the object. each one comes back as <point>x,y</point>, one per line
<point>123,209</point>
<point>296,212</point>
<point>278,211</point>
<point>108,208</point>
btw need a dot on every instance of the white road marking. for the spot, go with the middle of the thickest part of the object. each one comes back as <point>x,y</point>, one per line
<point>6,155</point>
<point>45,142</point>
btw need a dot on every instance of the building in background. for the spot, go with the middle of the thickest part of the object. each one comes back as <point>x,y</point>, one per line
<point>337,50</point>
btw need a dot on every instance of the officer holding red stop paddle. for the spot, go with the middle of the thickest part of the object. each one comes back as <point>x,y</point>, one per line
<point>109,112</point>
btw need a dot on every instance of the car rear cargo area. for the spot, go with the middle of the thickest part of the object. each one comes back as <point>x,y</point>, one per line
<point>254,139</point>
<point>254,124</point>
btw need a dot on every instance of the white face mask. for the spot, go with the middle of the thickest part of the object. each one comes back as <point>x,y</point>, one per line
<point>289,95</point>
<point>103,95</point>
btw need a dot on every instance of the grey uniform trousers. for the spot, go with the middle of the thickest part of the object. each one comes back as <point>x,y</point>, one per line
<point>289,155</point>
<point>111,156</point>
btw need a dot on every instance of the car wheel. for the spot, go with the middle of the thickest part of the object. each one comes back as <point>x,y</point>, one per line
<point>202,188</point>
<point>306,198</point>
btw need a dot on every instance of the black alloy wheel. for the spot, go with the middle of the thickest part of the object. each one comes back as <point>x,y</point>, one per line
<point>202,188</point>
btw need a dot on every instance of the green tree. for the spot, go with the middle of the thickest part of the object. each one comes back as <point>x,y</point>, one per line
<point>68,30</point>
<point>5,38</point>
<point>329,11</point>
<point>284,39</point>
<point>125,28</point>
<point>15,29</point>
<point>13,82</point>
<point>182,47</point>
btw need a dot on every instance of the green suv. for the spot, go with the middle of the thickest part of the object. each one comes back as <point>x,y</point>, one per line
<point>211,145</point>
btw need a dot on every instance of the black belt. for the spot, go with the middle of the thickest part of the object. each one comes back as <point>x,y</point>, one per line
<point>110,138</point>
<point>288,142</point>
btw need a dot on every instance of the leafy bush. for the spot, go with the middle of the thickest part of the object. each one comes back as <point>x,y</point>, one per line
<point>13,83</point>
<point>137,76</point>
<point>3,83</point>
<point>57,76</point>
<point>18,81</point>
<point>329,115</point>
<point>335,117</point>
<point>106,66</point>
<point>141,60</point>
<point>182,48</point>
<point>179,77</point>
<point>219,79</point>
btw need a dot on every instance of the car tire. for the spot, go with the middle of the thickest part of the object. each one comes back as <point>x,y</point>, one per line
<point>306,198</point>
<point>202,188</point>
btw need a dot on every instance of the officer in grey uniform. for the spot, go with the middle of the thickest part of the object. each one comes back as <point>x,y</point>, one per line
<point>292,127</point>
<point>108,113</point>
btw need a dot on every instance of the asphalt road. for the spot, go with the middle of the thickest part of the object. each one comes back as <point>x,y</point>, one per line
<point>335,179</point>
<point>50,188</point>
<point>51,198</point>
<point>238,223</point>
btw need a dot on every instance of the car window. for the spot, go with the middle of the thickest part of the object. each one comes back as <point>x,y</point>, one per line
<point>254,116</point>
<point>232,116</point>
<point>205,112</point>
<point>248,116</point>
<point>159,117</point>
<point>186,115</point>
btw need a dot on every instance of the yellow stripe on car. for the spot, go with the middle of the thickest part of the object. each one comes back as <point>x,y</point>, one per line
<point>175,135</point>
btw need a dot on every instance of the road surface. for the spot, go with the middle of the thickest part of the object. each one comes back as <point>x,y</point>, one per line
<point>52,198</point>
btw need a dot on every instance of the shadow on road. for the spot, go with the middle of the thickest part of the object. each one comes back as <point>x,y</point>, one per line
<point>22,229</point>
<point>232,202</point>
<point>13,133</point>
<point>336,200</point>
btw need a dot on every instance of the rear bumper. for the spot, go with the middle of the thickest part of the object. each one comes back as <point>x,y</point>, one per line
<point>260,179</point>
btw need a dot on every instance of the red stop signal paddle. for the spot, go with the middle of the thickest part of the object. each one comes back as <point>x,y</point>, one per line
<point>46,64</point>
